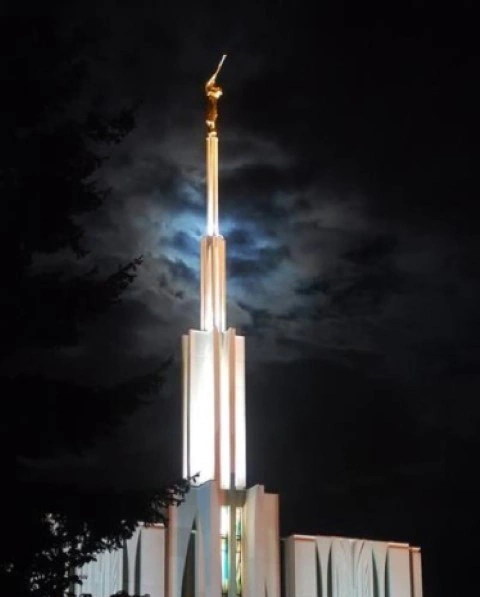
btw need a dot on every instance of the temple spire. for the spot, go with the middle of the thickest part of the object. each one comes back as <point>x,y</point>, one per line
<point>213,93</point>
<point>213,283</point>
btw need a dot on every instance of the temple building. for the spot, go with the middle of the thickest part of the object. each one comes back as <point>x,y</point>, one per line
<point>223,541</point>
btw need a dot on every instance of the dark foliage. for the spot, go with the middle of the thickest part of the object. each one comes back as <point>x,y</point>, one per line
<point>62,539</point>
<point>51,145</point>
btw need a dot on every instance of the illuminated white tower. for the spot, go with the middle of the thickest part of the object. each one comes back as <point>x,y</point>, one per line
<point>224,539</point>
<point>213,357</point>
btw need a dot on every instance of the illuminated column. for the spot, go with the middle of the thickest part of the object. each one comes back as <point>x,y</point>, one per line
<point>214,356</point>
<point>212,184</point>
<point>213,258</point>
<point>212,283</point>
<point>214,407</point>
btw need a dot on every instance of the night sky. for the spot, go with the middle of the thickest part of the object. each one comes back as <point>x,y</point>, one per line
<point>349,202</point>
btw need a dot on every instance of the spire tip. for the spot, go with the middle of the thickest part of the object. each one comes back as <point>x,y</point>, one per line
<point>214,93</point>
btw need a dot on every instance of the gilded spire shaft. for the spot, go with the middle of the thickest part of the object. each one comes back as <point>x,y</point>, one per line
<point>213,283</point>
<point>213,93</point>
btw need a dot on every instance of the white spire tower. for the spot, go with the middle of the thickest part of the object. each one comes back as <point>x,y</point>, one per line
<point>223,540</point>
<point>214,356</point>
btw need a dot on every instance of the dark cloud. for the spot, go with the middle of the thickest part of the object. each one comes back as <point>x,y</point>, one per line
<point>180,272</point>
<point>240,239</point>
<point>184,242</point>
<point>265,260</point>
<point>313,286</point>
<point>373,251</point>
<point>253,188</point>
<point>259,317</point>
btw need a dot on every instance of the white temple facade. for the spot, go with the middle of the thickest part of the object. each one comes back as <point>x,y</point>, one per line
<point>223,541</point>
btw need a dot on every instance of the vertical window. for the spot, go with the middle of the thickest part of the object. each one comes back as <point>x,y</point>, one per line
<point>226,544</point>
<point>224,547</point>
<point>238,555</point>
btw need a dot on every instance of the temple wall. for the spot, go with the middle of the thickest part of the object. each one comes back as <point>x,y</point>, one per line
<point>138,568</point>
<point>197,520</point>
<point>340,567</point>
<point>261,544</point>
<point>161,563</point>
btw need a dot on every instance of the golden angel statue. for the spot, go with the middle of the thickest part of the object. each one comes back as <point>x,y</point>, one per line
<point>214,92</point>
